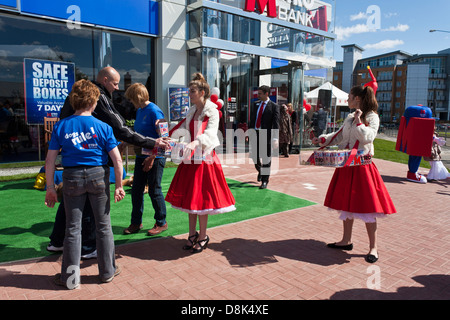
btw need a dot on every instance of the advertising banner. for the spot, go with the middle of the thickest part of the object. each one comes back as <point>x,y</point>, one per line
<point>136,15</point>
<point>47,85</point>
<point>9,3</point>
<point>178,103</point>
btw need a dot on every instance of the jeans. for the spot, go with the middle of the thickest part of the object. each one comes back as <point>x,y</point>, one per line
<point>153,177</point>
<point>81,183</point>
<point>87,228</point>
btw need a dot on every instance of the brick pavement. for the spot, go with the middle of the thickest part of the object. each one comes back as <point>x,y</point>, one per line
<point>278,257</point>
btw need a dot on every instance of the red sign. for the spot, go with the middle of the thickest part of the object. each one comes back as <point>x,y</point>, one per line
<point>270,4</point>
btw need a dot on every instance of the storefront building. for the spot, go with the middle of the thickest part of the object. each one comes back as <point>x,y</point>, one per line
<point>235,44</point>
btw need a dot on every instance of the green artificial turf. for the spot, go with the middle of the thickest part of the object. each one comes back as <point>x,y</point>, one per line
<point>26,223</point>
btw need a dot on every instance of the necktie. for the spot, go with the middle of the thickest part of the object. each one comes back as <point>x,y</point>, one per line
<point>258,121</point>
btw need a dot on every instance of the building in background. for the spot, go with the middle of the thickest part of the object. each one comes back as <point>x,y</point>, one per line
<point>403,80</point>
<point>237,45</point>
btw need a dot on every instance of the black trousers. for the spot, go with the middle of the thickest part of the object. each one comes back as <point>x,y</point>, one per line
<point>263,155</point>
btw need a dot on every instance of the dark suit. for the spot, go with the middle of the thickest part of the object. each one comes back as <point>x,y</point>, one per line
<point>263,144</point>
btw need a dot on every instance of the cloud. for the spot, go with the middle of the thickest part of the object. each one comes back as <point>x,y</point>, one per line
<point>385,44</point>
<point>399,27</point>
<point>390,15</point>
<point>359,16</point>
<point>344,33</point>
<point>347,32</point>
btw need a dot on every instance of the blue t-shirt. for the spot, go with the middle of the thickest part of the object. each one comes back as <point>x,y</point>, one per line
<point>84,140</point>
<point>146,119</point>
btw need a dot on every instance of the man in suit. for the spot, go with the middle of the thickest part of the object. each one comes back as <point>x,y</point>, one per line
<point>264,118</point>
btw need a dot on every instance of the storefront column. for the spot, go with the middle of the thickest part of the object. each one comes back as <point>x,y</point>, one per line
<point>171,51</point>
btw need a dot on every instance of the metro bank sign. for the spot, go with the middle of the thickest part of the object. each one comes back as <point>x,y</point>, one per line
<point>315,19</point>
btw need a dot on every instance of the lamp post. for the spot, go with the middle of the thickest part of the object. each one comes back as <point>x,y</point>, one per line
<point>434,30</point>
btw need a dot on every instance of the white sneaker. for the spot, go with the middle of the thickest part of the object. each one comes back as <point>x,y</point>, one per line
<point>52,248</point>
<point>91,255</point>
<point>416,177</point>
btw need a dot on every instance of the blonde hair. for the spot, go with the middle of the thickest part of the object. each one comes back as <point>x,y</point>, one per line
<point>84,94</point>
<point>137,93</point>
<point>200,83</point>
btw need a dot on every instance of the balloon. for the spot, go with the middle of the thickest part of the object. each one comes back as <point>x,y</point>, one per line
<point>216,91</point>
<point>214,98</point>
<point>373,84</point>
<point>221,101</point>
<point>220,114</point>
<point>219,105</point>
<point>306,105</point>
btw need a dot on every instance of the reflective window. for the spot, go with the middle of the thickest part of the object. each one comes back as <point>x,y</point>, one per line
<point>221,25</point>
<point>224,26</point>
<point>231,72</point>
<point>88,48</point>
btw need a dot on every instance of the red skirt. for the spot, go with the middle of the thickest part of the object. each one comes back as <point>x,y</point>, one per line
<point>200,188</point>
<point>359,189</point>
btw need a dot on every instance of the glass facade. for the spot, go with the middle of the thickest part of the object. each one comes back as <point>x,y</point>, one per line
<point>204,22</point>
<point>232,73</point>
<point>253,49</point>
<point>90,49</point>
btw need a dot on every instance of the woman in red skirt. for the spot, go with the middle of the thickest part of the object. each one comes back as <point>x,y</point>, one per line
<point>199,186</point>
<point>358,191</point>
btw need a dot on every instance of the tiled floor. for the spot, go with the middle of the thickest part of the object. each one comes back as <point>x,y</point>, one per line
<point>278,257</point>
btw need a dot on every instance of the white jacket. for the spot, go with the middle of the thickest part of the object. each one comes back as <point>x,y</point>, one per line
<point>349,133</point>
<point>208,139</point>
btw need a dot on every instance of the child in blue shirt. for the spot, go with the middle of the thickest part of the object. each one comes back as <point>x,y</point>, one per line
<point>148,170</point>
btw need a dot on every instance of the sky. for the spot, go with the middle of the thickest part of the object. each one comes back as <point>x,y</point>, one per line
<point>383,26</point>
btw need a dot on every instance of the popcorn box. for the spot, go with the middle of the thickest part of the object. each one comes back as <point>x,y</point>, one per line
<point>338,158</point>
<point>177,153</point>
<point>163,129</point>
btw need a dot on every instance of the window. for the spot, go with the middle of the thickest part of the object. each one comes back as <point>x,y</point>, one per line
<point>231,72</point>
<point>89,49</point>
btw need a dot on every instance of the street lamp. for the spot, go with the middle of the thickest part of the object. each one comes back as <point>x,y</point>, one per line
<point>434,30</point>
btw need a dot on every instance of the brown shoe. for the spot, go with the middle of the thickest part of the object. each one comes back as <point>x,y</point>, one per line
<point>133,228</point>
<point>116,273</point>
<point>157,230</point>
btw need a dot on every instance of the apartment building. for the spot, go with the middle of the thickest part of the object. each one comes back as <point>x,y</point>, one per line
<point>403,80</point>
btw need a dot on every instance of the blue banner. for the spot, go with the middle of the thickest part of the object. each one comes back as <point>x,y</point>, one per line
<point>47,85</point>
<point>136,15</point>
<point>9,3</point>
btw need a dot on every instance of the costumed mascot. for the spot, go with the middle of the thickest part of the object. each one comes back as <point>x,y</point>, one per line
<point>415,138</point>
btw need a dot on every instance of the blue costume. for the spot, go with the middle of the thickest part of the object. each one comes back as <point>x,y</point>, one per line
<point>415,138</point>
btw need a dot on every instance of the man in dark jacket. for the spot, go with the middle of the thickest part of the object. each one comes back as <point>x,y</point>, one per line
<point>107,82</point>
<point>319,121</point>
<point>264,118</point>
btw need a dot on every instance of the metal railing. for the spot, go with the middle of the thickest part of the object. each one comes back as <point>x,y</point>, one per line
<point>391,130</point>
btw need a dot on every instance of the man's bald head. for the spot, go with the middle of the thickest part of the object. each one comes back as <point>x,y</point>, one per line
<point>109,78</point>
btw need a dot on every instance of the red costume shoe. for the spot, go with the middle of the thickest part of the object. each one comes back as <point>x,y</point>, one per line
<point>416,177</point>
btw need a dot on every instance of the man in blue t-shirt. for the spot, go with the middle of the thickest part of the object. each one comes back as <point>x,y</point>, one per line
<point>148,117</point>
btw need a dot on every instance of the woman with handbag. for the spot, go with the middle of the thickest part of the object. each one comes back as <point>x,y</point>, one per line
<point>358,191</point>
